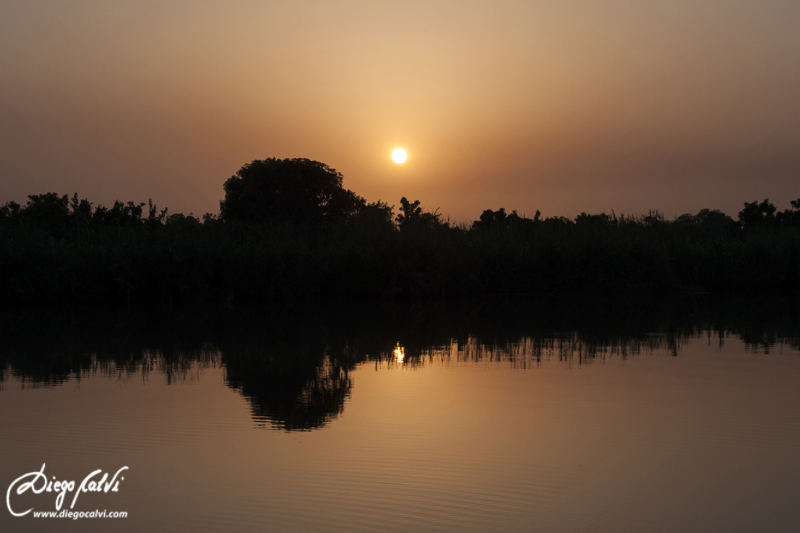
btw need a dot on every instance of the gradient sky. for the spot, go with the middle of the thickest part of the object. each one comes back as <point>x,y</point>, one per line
<point>563,106</point>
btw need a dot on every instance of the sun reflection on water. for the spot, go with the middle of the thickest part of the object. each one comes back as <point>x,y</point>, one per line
<point>399,353</point>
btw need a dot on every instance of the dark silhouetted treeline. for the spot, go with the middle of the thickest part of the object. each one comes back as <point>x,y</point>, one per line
<point>287,229</point>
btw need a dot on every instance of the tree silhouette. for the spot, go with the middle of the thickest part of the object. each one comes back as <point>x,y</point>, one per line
<point>376,215</point>
<point>755,214</point>
<point>412,216</point>
<point>294,191</point>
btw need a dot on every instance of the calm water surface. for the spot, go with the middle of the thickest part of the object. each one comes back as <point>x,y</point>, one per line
<point>678,417</point>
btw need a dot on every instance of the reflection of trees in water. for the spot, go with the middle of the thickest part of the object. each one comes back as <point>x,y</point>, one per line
<point>529,352</point>
<point>287,393</point>
<point>293,363</point>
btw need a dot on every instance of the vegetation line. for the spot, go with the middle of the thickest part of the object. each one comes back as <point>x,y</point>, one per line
<point>287,229</point>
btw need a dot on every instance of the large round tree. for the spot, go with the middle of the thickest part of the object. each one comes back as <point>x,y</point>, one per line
<point>293,191</point>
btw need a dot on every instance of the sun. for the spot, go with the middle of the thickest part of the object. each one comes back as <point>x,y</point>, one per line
<point>399,155</point>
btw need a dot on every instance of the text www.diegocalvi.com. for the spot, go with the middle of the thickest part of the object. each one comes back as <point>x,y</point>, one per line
<point>75,515</point>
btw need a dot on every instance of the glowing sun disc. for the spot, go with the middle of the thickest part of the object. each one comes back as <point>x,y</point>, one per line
<point>399,155</point>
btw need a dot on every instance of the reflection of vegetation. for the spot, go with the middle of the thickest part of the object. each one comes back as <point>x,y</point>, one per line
<point>289,378</point>
<point>288,229</point>
<point>293,363</point>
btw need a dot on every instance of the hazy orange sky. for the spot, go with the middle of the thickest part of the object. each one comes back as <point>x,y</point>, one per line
<point>563,106</point>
